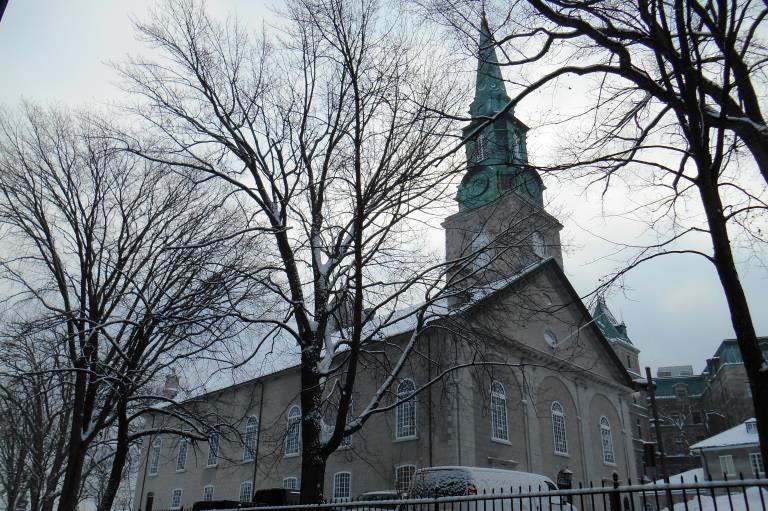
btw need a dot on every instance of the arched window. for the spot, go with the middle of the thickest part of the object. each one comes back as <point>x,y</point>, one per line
<point>251,438</point>
<point>213,449</point>
<point>559,436</point>
<point>499,426</point>
<point>537,242</point>
<point>246,491</point>
<point>154,463</point>
<point>291,483</point>
<point>405,413</point>
<point>176,498</point>
<point>607,440</point>
<point>342,485</point>
<point>403,477</point>
<point>181,459</point>
<point>293,432</point>
<point>346,441</point>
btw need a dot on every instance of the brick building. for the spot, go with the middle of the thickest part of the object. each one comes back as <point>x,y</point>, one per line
<point>693,407</point>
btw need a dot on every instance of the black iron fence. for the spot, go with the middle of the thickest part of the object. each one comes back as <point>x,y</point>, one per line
<point>734,495</point>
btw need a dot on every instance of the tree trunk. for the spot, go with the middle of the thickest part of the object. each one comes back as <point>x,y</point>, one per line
<point>70,491</point>
<point>118,462</point>
<point>738,307</point>
<point>312,462</point>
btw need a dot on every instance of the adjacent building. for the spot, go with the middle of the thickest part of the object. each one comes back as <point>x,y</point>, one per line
<point>732,453</point>
<point>693,407</point>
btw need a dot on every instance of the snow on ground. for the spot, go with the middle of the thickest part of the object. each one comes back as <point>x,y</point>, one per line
<point>689,476</point>
<point>736,501</point>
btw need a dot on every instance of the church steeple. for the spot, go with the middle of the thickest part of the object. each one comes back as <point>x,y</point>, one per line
<point>490,92</point>
<point>502,226</point>
<point>497,159</point>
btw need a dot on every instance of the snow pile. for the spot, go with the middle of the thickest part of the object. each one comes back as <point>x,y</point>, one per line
<point>689,476</point>
<point>734,502</point>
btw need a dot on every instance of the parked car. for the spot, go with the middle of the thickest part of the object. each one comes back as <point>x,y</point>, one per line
<point>459,481</point>
<point>276,497</point>
<point>371,500</point>
<point>211,505</point>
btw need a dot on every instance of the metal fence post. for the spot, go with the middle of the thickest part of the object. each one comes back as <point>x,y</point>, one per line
<point>615,498</point>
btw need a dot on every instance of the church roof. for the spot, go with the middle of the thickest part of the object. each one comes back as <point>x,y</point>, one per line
<point>552,265</point>
<point>283,355</point>
<point>612,329</point>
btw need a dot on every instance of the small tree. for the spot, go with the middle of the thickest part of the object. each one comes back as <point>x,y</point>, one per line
<point>101,263</point>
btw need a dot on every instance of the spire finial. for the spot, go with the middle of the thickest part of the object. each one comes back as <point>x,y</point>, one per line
<point>490,92</point>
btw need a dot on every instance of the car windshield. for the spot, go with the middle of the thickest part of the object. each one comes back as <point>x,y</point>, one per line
<point>378,496</point>
<point>448,482</point>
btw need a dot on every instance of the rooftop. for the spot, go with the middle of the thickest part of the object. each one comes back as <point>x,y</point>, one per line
<point>613,330</point>
<point>743,434</point>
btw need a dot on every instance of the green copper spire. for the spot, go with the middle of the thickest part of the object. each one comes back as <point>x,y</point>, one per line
<point>490,92</point>
<point>497,158</point>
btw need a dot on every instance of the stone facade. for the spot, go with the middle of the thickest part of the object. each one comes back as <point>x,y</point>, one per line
<point>454,418</point>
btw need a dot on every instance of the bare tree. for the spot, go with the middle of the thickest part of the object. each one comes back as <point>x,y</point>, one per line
<point>678,96</point>
<point>97,256</point>
<point>34,394</point>
<point>330,138</point>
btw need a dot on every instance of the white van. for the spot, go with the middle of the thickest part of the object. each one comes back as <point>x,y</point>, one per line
<point>458,481</point>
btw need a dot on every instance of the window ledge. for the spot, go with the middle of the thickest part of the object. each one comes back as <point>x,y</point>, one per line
<point>292,455</point>
<point>609,463</point>
<point>500,441</point>
<point>562,454</point>
<point>405,439</point>
<point>212,466</point>
<point>179,471</point>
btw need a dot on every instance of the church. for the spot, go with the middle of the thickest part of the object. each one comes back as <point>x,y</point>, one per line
<point>546,387</point>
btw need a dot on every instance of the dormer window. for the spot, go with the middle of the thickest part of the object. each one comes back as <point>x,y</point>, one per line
<point>751,427</point>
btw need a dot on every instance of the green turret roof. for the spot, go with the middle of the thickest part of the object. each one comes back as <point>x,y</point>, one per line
<point>612,329</point>
<point>497,157</point>
<point>665,387</point>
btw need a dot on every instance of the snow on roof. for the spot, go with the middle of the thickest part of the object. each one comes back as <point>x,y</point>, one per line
<point>404,320</point>
<point>743,434</point>
<point>269,350</point>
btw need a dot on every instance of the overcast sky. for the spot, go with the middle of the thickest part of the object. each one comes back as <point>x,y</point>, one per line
<point>57,52</point>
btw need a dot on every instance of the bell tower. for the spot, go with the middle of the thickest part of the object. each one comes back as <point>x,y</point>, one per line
<point>501,226</point>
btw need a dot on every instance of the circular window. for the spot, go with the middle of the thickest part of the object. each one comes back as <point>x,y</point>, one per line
<point>550,337</point>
